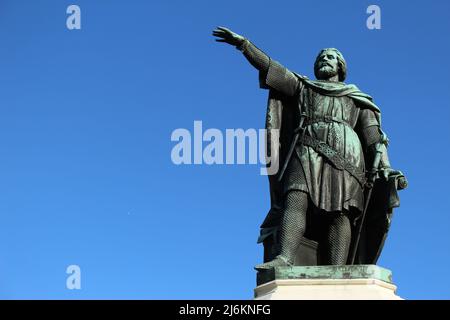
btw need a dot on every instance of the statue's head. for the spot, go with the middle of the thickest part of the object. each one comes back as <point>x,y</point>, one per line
<point>329,63</point>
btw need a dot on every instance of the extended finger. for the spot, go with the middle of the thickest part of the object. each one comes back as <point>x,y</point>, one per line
<point>224,29</point>
<point>219,34</point>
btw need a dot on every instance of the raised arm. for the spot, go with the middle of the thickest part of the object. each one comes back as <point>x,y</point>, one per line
<point>271,73</point>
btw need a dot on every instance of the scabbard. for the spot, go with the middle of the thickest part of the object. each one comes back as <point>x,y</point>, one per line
<point>289,155</point>
<point>298,131</point>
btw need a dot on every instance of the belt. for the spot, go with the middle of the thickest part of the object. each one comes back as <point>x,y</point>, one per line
<point>326,119</point>
<point>334,157</point>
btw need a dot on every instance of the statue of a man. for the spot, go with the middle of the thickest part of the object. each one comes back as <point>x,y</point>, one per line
<point>329,134</point>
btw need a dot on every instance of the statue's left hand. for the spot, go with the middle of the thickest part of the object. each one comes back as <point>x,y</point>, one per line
<point>388,172</point>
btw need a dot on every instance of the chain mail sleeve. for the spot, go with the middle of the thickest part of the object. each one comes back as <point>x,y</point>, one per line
<point>370,133</point>
<point>271,73</point>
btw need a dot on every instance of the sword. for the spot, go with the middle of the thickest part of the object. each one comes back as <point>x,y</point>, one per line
<point>370,182</point>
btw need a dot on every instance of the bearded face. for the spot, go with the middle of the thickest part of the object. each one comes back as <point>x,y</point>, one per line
<point>327,65</point>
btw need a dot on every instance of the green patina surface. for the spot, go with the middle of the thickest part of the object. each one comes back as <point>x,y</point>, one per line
<point>326,272</point>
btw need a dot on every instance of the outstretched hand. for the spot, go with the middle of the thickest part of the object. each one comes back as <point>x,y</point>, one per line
<point>226,35</point>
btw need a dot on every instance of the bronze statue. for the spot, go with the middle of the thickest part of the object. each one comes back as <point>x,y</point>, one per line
<point>333,197</point>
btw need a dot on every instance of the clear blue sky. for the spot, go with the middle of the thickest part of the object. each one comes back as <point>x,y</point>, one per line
<point>86,117</point>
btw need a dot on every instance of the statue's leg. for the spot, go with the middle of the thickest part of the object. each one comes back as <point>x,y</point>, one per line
<point>293,224</point>
<point>292,228</point>
<point>338,240</point>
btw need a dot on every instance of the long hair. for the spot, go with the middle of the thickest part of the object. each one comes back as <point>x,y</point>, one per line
<point>342,65</point>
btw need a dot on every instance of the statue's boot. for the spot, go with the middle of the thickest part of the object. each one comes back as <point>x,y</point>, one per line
<point>279,261</point>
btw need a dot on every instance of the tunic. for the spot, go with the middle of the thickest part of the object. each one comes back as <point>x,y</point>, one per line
<point>329,188</point>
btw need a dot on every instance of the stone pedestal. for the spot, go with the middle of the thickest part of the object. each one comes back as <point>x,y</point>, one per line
<point>359,282</point>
